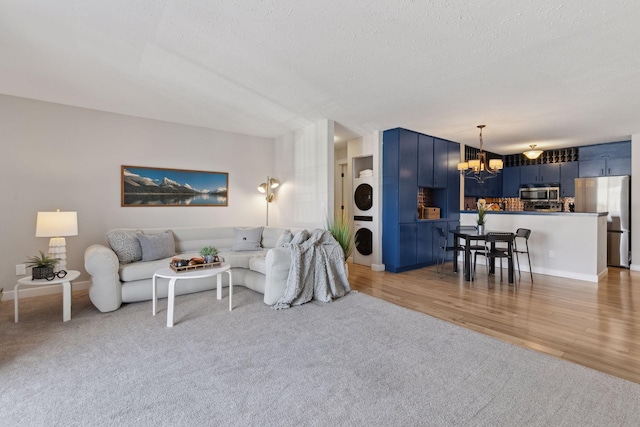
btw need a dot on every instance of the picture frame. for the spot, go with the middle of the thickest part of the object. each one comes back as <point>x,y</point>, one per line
<point>143,186</point>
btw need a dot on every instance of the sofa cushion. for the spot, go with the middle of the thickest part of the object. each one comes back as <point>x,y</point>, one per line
<point>247,239</point>
<point>141,270</point>
<point>126,246</point>
<point>258,264</point>
<point>240,259</point>
<point>157,246</point>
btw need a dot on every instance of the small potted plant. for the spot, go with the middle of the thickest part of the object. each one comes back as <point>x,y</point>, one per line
<point>43,265</point>
<point>341,228</point>
<point>209,253</point>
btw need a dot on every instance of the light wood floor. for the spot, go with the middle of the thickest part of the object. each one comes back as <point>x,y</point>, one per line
<point>594,324</point>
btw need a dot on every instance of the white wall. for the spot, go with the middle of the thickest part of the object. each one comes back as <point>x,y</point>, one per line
<point>304,165</point>
<point>60,157</point>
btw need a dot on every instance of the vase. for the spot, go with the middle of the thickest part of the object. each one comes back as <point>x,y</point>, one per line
<point>208,259</point>
<point>480,228</point>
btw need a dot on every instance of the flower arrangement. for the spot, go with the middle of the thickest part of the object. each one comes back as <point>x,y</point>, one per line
<point>483,207</point>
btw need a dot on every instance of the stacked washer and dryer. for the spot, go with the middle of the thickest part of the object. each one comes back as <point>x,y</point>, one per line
<point>363,217</point>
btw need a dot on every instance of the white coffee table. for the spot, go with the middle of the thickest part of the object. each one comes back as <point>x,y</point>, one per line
<point>173,276</point>
<point>66,291</point>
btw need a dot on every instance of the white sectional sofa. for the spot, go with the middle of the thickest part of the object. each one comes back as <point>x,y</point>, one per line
<point>115,281</point>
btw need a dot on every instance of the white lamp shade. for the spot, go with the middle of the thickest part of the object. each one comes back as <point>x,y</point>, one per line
<point>474,164</point>
<point>495,163</point>
<point>463,166</point>
<point>57,224</point>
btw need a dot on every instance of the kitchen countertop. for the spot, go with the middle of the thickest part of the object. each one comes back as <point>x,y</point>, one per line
<point>539,213</point>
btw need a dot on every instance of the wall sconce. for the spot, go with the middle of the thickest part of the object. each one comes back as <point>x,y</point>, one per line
<point>57,225</point>
<point>266,188</point>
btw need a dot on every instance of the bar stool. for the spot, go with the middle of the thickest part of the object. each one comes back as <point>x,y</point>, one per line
<point>522,233</point>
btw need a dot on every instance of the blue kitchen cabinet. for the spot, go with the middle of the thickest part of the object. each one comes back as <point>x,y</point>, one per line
<point>407,254</point>
<point>605,167</point>
<point>547,173</point>
<point>453,179</point>
<point>407,176</point>
<point>407,242</point>
<point>493,186</point>
<point>608,159</point>
<point>511,181</point>
<point>432,162</point>
<point>424,250</point>
<point>568,174</point>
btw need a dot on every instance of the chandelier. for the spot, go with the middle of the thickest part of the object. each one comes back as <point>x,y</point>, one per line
<point>478,168</point>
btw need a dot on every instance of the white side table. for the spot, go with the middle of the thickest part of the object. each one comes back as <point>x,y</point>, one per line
<point>173,276</point>
<point>66,291</point>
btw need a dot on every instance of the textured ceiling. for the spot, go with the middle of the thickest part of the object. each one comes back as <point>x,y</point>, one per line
<point>555,73</point>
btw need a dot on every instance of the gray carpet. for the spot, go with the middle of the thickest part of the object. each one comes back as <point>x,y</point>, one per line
<point>356,361</point>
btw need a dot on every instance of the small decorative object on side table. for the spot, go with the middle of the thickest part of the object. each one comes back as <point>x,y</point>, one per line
<point>42,265</point>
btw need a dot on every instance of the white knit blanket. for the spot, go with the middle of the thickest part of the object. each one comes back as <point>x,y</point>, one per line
<point>317,270</point>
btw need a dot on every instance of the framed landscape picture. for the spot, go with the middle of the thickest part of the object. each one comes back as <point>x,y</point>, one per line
<point>145,186</point>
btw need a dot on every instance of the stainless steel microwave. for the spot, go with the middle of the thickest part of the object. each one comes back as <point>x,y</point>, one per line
<point>539,194</point>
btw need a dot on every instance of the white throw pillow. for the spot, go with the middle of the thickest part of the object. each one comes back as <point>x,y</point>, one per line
<point>247,239</point>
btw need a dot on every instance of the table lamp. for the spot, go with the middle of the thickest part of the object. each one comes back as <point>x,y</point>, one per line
<point>57,225</point>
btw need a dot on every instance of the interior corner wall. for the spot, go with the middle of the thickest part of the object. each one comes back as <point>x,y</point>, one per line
<point>304,164</point>
<point>635,202</point>
<point>68,158</point>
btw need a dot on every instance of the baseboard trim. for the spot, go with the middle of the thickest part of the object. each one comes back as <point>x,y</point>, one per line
<point>377,267</point>
<point>36,291</point>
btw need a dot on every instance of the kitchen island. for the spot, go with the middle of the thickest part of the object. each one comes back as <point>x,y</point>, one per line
<point>562,244</point>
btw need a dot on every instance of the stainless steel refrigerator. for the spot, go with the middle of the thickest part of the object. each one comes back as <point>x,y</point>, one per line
<point>609,194</point>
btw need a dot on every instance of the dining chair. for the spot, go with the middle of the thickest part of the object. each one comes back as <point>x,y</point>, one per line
<point>522,233</point>
<point>474,245</point>
<point>497,245</point>
<point>444,248</point>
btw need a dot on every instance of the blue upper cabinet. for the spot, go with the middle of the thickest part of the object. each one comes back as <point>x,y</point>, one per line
<point>440,163</point>
<point>408,176</point>
<point>511,182</point>
<point>425,161</point>
<point>568,174</point>
<point>540,174</point>
<point>609,159</point>
<point>432,162</point>
<point>453,186</point>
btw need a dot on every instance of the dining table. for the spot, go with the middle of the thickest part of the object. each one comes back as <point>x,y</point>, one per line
<point>473,235</point>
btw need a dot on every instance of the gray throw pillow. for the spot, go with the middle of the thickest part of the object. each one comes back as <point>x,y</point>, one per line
<point>125,245</point>
<point>301,236</point>
<point>247,239</point>
<point>284,238</point>
<point>157,246</point>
